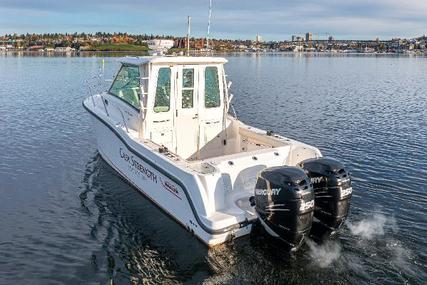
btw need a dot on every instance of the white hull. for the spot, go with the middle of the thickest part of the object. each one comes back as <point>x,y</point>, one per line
<point>150,176</point>
<point>172,138</point>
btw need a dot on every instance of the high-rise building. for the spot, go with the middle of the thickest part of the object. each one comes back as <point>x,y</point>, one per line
<point>308,37</point>
<point>258,39</point>
<point>296,38</point>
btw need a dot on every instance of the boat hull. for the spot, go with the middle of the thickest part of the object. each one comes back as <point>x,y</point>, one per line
<point>158,181</point>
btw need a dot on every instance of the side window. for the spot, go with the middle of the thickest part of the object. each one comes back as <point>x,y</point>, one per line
<point>187,88</point>
<point>212,95</point>
<point>163,90</point>
<point>126,86</point>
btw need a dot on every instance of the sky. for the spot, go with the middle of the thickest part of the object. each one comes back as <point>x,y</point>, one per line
<point>233,19</point>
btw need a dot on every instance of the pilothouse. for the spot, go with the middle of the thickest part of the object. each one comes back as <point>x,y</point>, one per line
<point>164,125</point>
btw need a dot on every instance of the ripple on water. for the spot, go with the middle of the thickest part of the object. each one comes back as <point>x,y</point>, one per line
<point>68,218</point>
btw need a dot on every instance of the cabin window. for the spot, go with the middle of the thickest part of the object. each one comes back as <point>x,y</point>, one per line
<point>212,96</point>
<point>163,90</point>
<point>126,86</point>
<point>187,88</point>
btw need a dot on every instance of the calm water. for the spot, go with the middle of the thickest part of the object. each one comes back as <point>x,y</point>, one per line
<point>67,218</point>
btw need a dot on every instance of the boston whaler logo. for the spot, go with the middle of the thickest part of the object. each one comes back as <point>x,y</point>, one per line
<point>170,187</point>
<point>137,167</point>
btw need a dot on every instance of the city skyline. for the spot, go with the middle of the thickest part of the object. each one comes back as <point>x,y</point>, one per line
<point>272,19</point>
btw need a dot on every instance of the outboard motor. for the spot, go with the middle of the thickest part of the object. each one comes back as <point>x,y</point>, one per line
<point>284,203</point>
<point>332,190</point>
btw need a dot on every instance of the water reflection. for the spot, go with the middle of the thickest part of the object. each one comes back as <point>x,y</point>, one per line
<point>141,244</point>
<point>68,218</point>
<point>136,236</point>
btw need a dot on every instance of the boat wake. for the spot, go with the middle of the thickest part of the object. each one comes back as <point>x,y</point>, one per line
<point>373,242</point>
<point>376,238</point>
<point>89,181</point>
<point>373,226</point>
<point>324,254</point>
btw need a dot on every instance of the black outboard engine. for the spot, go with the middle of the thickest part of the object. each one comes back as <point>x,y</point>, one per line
<point>332,190</point>
<point>284,202</point>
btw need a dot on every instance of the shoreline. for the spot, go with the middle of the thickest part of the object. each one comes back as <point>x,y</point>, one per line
<point>199,53</point>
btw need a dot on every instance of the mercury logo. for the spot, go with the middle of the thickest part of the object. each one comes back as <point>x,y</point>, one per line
<point>316,179</point>
<point>273,191</point>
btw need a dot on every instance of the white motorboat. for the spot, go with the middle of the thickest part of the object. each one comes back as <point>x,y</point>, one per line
<point>164,125</point>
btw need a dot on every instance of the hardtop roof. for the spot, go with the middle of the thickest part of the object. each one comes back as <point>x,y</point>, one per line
<point>174,60</point>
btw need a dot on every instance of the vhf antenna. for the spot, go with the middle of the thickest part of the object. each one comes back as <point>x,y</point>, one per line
<point>188,35</point>
<point>209,25</point>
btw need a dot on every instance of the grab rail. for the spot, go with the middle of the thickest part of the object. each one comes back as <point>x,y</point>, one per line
<point>90,85</point>
<point>105,105</point>
<point>234,111</point>
<point>123,118</point>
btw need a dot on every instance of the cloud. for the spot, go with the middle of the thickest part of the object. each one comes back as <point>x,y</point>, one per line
<point>274,19</point>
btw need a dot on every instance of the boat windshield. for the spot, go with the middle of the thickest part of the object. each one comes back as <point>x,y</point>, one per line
<point>212,96</point>
<point>126,86</point>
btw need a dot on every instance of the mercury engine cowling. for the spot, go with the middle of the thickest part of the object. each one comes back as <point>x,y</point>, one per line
<point>332,190</point>
<point>284,202</point>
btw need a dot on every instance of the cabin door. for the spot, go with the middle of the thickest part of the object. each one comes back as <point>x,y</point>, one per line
<point>186,113</point>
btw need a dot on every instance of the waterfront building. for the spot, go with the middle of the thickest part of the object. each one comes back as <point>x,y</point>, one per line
<point>35,48</point>
<point>298,48</point>
<point>308,37</point>
<point>64,49</point>
<point>296,38</point>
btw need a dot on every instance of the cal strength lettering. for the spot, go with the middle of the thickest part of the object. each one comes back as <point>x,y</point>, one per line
<point>135,164</point>
<point>143,169</point>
